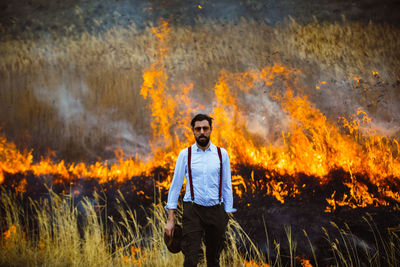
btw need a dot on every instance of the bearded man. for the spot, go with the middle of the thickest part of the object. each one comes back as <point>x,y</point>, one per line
<point>208,199</point>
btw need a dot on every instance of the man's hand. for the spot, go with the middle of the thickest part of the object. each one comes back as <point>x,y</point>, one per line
<point>169,227</point>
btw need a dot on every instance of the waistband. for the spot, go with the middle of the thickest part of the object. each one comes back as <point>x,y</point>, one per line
<point>201,206</point>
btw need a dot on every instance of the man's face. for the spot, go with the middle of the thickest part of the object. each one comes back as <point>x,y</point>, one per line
<point>202,132</point>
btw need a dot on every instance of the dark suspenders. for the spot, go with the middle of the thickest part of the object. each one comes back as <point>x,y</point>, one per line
<point>220,173</point>
<point>190,173</point>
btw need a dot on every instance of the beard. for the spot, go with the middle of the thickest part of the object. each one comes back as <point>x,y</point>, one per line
<point>203,142</point>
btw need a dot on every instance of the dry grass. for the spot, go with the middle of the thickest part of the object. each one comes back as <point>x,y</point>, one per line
<point>53,235</point>
<point>102,75</point>
<point>351,48</point>
<point>58,232</point>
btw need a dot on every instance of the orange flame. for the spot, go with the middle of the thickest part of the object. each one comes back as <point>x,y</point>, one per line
<point>253,263</point>
<point>10,232</point>
<point>137,256</point>
<point>310,144</point>
<point>304,262</point>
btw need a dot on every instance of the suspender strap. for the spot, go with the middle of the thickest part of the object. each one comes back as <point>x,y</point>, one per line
<point>220,174</point>
<point>190,171</point>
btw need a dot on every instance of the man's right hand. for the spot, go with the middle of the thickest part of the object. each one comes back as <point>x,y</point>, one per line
<point>169,228</point>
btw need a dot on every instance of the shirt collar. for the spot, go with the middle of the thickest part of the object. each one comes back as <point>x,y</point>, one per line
<point>212,147</point>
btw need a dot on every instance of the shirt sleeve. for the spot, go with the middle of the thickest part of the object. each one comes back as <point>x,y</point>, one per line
<point>227,183</point>
<point>177,181</point>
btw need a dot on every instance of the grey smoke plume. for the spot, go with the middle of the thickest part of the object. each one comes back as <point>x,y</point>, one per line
<point>344,97</point>
<point>68,101</point>
<point>265,117</point>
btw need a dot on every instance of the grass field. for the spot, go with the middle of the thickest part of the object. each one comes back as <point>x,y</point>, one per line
<point>53,234</point>
<point>58,232</point>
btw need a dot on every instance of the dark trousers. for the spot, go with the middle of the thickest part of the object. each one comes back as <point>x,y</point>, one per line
<point>200,222</point>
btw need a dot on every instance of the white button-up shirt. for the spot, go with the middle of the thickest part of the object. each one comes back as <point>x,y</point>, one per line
<point>205,167</point>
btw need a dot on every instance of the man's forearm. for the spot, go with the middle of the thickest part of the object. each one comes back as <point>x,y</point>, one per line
<point>171,215</point>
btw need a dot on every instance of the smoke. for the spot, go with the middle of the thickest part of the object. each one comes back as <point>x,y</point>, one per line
<point>265,118</point>
<point>68,101</point>
<point>100,16</point>
<point>338,96</point>
<point>223,10</point>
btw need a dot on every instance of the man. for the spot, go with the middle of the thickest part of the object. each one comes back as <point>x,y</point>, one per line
<point>208,198</point>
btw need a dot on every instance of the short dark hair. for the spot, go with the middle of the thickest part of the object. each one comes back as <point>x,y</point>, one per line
<point>201,117</point>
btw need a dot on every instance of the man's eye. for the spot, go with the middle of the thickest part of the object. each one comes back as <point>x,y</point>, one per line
<point>205,129</point>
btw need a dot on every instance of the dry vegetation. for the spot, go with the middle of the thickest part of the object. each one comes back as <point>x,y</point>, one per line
<point>54,235</point>
<point>102,74</point>
<point>58,232</point>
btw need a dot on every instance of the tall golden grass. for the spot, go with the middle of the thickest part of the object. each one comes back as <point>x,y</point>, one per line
<point>105,71</point>
<point>55,236</point>
<point>51,232</point>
